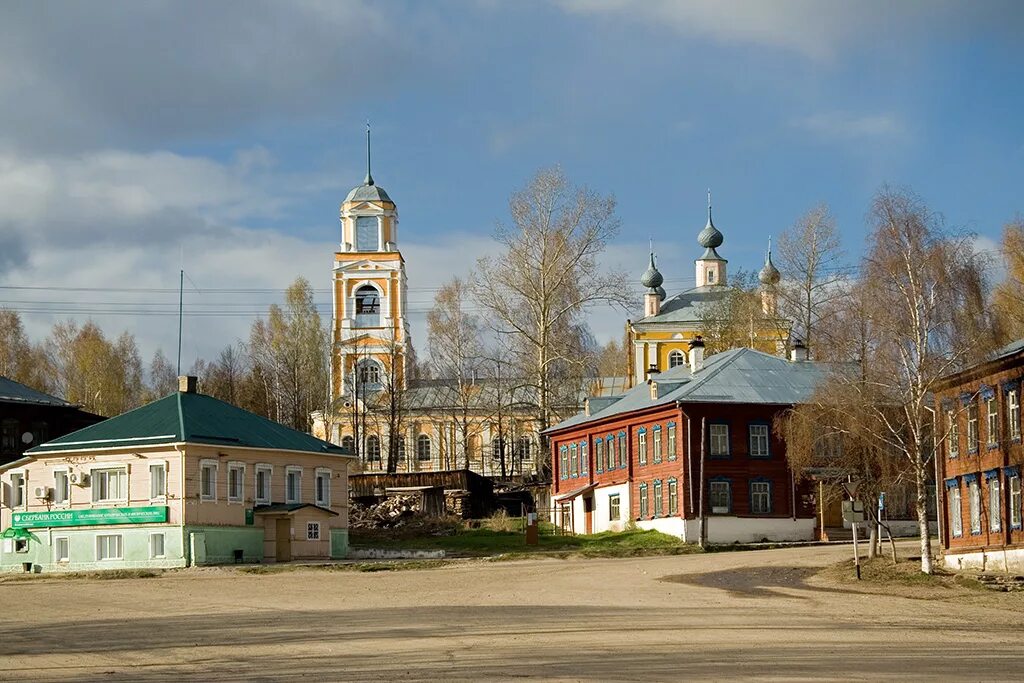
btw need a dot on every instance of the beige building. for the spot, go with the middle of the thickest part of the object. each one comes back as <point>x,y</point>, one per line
<point>185,480</point>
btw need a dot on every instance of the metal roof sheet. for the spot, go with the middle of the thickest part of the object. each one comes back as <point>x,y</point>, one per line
<point>192,418</point>
<point>16,392</point>
<point>685,307</point>
<point>734,376</point>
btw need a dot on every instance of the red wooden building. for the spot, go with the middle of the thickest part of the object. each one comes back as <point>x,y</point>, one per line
<point>978,410</point>
<point>688,445</point>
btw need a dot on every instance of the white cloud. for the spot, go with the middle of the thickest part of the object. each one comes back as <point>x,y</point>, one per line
<point>817,29</point>
<point>846,126</point>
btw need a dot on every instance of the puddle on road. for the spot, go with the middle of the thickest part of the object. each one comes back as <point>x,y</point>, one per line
<point>751,582</point>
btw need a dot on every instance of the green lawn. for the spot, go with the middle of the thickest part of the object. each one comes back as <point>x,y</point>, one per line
<point>479,542</point>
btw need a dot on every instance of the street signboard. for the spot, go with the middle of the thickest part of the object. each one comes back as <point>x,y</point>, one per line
<point>147,514</point>
<point>853,511</point>
<point>851,488</point>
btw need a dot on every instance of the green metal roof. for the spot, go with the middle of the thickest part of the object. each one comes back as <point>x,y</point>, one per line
<point>192,418</point>
<point>16,392</point>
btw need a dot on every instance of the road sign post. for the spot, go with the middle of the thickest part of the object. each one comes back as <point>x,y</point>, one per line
<point>853,512</point>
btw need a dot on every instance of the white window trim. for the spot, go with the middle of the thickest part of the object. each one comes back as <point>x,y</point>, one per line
<point>24,497</point>
<point>319,531</point>
<point>995,511</point>
<point>974,506</point>
<point>323,471</point>
<point>269,469</point>
<point>241,497</point>
<point>287,471</point>
<point>162,497</point>
<point>67,501</point>
<point>67,539</point>
<point>120,544</point>
<point>152,555</point>
<point>216,467</point>
<point>110,466</point>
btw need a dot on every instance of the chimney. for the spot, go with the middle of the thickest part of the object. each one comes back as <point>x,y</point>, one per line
<point>187,384</point>
<point>652,369</point>
<point>696,354</point>
<point>799,352</point>
<point>654,389</point>
<point>586,407</point>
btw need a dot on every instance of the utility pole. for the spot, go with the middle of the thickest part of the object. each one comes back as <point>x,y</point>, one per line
<point>181,293</point>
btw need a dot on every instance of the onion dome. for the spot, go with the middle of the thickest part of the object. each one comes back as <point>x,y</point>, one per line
<point>661,293</point>
<point>710,237</point>
<point>769,274</point>
<point>652,278</point>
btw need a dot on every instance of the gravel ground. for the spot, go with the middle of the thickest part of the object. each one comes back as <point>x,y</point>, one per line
<point>760,614</point>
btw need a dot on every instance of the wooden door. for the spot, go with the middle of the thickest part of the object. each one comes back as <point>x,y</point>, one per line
<point>283,542</point>
<point>588,514</point>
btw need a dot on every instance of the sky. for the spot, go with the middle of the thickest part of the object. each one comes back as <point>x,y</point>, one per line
<point>141,137</point>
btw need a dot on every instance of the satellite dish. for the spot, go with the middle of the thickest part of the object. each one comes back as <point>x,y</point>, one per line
<point>27,437</point>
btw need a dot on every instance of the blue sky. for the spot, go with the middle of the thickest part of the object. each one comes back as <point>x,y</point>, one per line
<point>134,133</point>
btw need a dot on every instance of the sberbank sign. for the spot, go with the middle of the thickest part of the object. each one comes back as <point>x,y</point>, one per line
<point>148,514</point>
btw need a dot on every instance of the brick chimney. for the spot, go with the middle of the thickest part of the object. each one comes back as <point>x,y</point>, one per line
<point>187,384</point>
<point>696,354</point>
<point>799,352</point>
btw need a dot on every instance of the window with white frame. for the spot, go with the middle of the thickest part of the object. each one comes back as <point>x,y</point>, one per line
<point>676,358</point>
<point>641,448</point>
<point>574,461</point>
<point>673,497</point>
<point>109,547</point>
<point>659,500</point>
<point>720,496</point>
<point>236,482</point>
<point>523,448</point>
<point>312,531</point>
<point>61,488</point>
<point>293,485</point>
<point>760,497</point>
<point>584,459</point>
<point>372,449</point>
<point>671,438</point>
<point>656,445</point>
<point>759,441</point>
<point>1015,500</point>
<point>598,455</point>
<point>974,504</point>
<point>972,427</point>
<point>369,372</point>
<point>563,461</point>
<point>423,447</point>
<point>208,480</point>
<point>956,519</point>
<point>263,473</point>
<point>995,504</point>
<point>61,549</point>
<point>17,490</point>
<point>157,481</point>
<point>156,545</point>
<point>323,488</point>
<point>644,511</point>
<point>614,511</point>
<point>109,484</point>
<point>992,423</point>
<point>1013,413</point>
<point>953,440</point>
<point>719,434</point>
<point>622,449</point>
<point>368,311</point>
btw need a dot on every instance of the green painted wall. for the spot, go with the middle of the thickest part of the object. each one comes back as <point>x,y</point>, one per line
<point>135,547</point>
<point>339,543</point>
<point>216,544</point>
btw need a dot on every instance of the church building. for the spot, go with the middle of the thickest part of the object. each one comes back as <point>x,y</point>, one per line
<point>660,339</point>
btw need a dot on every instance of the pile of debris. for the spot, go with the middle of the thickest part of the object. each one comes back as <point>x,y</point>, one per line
<point>1002,583</point>
<point>390,512</point>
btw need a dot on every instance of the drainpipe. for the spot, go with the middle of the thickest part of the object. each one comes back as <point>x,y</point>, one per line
<point>688,461</point>
<point>703,522</point>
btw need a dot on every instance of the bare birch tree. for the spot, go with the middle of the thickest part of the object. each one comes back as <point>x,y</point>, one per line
<point>1009,294</point>
<point>810,253</point>
<point>549,273</point>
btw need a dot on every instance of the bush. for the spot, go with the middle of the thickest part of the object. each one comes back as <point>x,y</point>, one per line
<point>500,521</point>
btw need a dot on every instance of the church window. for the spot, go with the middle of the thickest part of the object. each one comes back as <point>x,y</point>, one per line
<point>497,448</point>
<point>372,449</point>
<point>367,307</point>
<point>367,233</point>
<point>676,358</point>
<point>524,448</point>
<point>369,372</point>
<point>423,447</point>
<point>348,443</point>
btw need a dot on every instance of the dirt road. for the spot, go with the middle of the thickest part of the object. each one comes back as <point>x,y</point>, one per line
<point>717,616</point>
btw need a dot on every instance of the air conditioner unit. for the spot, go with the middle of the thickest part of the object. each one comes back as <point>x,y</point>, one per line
<point>79,478</point>
<point>43,492</point>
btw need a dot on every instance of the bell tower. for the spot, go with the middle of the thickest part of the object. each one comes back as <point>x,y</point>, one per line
<point>369,329</point>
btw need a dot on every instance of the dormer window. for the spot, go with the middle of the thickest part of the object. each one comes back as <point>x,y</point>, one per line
<point>367,233</point>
